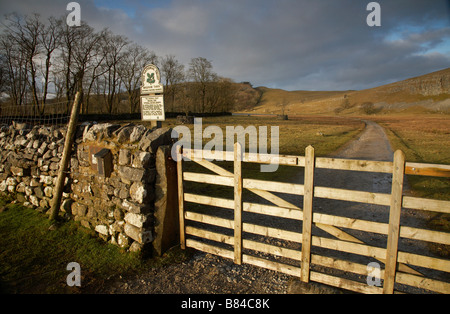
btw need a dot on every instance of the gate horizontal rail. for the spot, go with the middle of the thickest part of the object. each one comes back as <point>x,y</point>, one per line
<point>235,245</point>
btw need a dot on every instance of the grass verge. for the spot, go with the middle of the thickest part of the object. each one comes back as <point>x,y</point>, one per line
<point>33,258</point>
<point>424,139</point>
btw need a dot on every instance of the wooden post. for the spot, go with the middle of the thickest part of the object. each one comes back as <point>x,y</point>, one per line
<point>181,196</point>
<point>57,194</point>
<point>155,124</point>
<point>307,213</point>
<point>237,203</point>
<point>394,222</point>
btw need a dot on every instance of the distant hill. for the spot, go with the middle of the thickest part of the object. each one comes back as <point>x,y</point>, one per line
<point>428,93</point>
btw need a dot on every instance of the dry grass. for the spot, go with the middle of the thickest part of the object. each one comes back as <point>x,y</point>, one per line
<point>404,97</point>
<point>296,102</point>
<point>326,134</point>
<point>423,138</point>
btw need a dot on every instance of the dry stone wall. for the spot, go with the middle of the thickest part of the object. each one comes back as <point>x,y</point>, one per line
<point>118,203</point>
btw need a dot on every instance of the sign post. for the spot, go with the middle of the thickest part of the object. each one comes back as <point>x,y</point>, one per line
<point>152,98</point>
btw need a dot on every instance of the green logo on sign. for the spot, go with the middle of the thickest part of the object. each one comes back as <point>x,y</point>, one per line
<point>151,78</point>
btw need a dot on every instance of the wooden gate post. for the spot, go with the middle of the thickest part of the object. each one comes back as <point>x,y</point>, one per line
<point>394,222</point>
<point>237,203</point>
<point>181,196</point>
<point>167,222</point>
<point>307,213</point>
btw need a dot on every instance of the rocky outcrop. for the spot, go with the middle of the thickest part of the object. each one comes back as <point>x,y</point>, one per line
<point>432,84</point>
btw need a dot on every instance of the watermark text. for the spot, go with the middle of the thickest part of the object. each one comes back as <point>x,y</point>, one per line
<point>74,278</point>
<point>257,138</point>
<point>74,17</point>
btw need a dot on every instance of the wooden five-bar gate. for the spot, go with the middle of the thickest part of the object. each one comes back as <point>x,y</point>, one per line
<point>400,268</point>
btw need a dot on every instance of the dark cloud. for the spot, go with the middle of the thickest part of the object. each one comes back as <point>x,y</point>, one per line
<point>292,44</point>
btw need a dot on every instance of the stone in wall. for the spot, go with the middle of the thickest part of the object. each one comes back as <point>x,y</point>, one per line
<point>140,235</point>
<point>151,140</point>
<point>129,191</point>
<point>30,159</point>
<point>120,208</point>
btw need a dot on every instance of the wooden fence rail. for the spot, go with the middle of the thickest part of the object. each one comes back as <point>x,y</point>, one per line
<point>403,268</point>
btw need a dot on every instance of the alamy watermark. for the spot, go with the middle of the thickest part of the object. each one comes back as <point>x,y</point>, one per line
<point>74,17</point>
<point>74,278</point>
<point>257,138</point>
<point>374,274</point>
<point>374,17</point>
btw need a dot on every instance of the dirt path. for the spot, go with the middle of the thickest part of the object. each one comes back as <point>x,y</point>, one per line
<point>372,144</point>
<point>205,273</point>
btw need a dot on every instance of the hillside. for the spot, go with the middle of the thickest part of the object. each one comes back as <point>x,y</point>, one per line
<point>428,93</point>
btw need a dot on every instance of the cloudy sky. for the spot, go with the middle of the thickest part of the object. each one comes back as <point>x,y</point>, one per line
<point>289,44</point>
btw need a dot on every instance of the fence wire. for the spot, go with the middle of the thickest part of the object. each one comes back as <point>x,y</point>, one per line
<point>48,114</point>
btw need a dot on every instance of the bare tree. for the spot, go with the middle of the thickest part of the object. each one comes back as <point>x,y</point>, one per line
<point>173,72</point>
<point>101,64</point>
<point>96,70</point>
<point>49,40</point>
<point>134,59</point>
<point>29,41</point>
<point>80,48</point>
<point>96,67</point>
<point>184,99</point>
<point>220,95</point>
<point>58,80</point>
<point>15,70</point>
<point>200,71</point>
<point>113,47</point>
<point>86,50</point>
<point>24,34</point>
<point>69,36</point>
<point>3,71</point>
